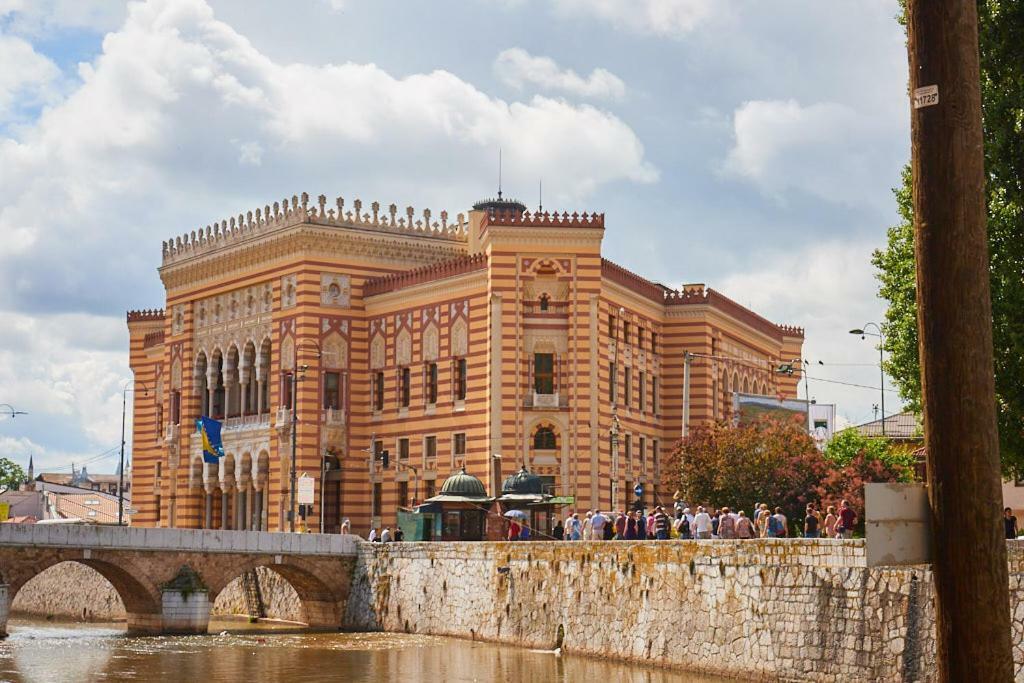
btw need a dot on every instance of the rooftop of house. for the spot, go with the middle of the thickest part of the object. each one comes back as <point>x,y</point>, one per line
<point>905,426</point>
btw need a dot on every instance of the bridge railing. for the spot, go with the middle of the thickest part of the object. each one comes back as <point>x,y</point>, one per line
<point>196,540</point>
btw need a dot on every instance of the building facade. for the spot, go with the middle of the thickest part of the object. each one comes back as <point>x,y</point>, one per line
<point>497,340</point>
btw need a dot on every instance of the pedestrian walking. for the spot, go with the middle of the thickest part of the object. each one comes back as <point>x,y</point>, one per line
<point>1009,523</point>
<point>575,527</point>
<point>847,520</point>
<point>650,525</point>
<point>631,526</point>
<point>620,526</point>
<point>727,525</point>
<point>831,519</point>
<point>588,530</point>
<point>660,524</point>
<point>597,524</point>
<point>715,521</point>
<point>744,527</point>
<point>811,523</point>
<point>559,531</point>
<point>683,528</point>
<point>702,524</point>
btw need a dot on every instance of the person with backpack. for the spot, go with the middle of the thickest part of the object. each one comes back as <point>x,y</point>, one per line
<point>774,526</point>
<point>682,526</point>
<point>660,524</point>
<point>744,527</point>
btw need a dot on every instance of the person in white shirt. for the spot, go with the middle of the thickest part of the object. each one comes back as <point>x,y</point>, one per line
<point>385,535</point>
<point>702,524</point>
<point>588,530</point>
<point>373,536</point>
<point>689,518</point>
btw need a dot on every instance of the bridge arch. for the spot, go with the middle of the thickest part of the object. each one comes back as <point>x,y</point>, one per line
<point>321,606</point>
<point>136,589</point>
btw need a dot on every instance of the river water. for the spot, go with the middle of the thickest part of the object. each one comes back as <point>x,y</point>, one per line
<point>39,651</point>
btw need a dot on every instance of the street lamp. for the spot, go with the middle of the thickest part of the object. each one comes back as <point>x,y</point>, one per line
<point>9,410</point>
<point>862,331</point>
<point>124,409</point>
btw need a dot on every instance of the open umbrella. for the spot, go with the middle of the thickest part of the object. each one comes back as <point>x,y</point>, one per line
<point>516,514</point>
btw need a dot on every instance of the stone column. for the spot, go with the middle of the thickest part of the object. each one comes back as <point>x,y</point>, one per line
<point>211,388</point>
<point>261,379</point>
<point>5,607</point>
<point>225,505</point>
<point>257,513</point>
<point>208,510</point>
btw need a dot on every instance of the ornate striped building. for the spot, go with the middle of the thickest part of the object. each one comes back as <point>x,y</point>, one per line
<point>497,339</point>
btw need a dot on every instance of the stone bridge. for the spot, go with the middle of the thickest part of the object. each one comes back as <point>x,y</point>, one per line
<point>169,578</point>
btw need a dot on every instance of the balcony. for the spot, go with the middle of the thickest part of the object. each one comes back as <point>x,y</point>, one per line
<point>547,401</point>
<point>246,422</point>
<point>333,417</point>
<point>170,433</point>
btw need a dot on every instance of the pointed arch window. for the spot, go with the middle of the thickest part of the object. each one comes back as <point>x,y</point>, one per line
<point>544,301</point>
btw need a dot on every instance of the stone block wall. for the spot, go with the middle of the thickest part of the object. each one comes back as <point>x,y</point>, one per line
<point>790,609</point>
<point>279,598</point>
<point>69,590</point>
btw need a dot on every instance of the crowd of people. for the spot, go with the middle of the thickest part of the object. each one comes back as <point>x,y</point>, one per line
<point>700,522</point>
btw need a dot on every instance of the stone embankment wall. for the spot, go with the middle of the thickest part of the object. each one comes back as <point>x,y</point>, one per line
<point>793,610</point>
<point>772,610</point>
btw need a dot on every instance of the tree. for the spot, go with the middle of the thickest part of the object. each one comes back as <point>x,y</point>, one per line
<point>775,461</point>
<point>11,474</point>
<point>769,461</point>
<point>849,445</point>
<point>1001,40</point>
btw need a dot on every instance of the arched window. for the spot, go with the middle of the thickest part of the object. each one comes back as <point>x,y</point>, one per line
<point>544,300</point>
<point>544,439</point>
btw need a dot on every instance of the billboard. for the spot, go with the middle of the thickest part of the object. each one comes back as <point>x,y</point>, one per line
<point>750,408</point>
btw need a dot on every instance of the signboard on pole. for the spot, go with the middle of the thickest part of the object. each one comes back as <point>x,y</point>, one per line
<point>306,490</point>
<point>896,524</point>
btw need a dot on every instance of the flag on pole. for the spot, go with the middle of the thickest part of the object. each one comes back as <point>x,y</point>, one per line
<point>209,430</point>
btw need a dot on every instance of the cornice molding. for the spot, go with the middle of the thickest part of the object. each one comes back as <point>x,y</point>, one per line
<point>310,242</point>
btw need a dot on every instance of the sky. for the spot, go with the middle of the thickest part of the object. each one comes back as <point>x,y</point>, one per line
<point>751,146</point>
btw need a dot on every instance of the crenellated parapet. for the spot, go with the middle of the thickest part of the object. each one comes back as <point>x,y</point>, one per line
<point>630,280</point>
<point>792,331</point>
<point>147,315</point>
<point>437,271</point>
<point>544,219</point>
<point>299,210</point>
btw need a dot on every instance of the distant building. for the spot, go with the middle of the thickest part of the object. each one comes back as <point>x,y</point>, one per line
<point>82,479</point>
<point>902,427</point>
<point>54,501</point>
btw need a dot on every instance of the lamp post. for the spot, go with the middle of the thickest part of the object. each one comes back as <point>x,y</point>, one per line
<point>10,411</point>
<point>124,410</point>
<point>300,372</point>
<point>881,344</point>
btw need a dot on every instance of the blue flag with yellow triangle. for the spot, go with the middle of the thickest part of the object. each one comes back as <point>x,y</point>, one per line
<point>209,431</point>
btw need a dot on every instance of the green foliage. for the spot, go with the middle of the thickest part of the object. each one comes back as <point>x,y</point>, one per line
<point>774,461</point>
<point>11,474</point>
<point>1001,42</point>
<point>849,445</point>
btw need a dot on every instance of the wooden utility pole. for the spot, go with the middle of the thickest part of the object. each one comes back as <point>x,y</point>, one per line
<point>955,323</point>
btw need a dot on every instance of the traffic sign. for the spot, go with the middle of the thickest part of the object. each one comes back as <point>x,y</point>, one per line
<point>306,490</point>
<point>638,490</point>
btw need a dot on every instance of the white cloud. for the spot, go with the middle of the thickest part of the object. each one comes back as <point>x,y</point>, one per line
<point>826,149</point>
<point>828,288</point>
<point>38,17</point>
<point>518,68</point>
<point>668,18</point>
<point>26,77</point>
<point>180,121</point>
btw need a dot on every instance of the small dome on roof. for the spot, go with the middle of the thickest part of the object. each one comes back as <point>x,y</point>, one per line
<point>523,482</point>
<point>463,484</point>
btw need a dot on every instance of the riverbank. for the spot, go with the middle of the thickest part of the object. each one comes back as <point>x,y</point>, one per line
<point>766,609</point>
